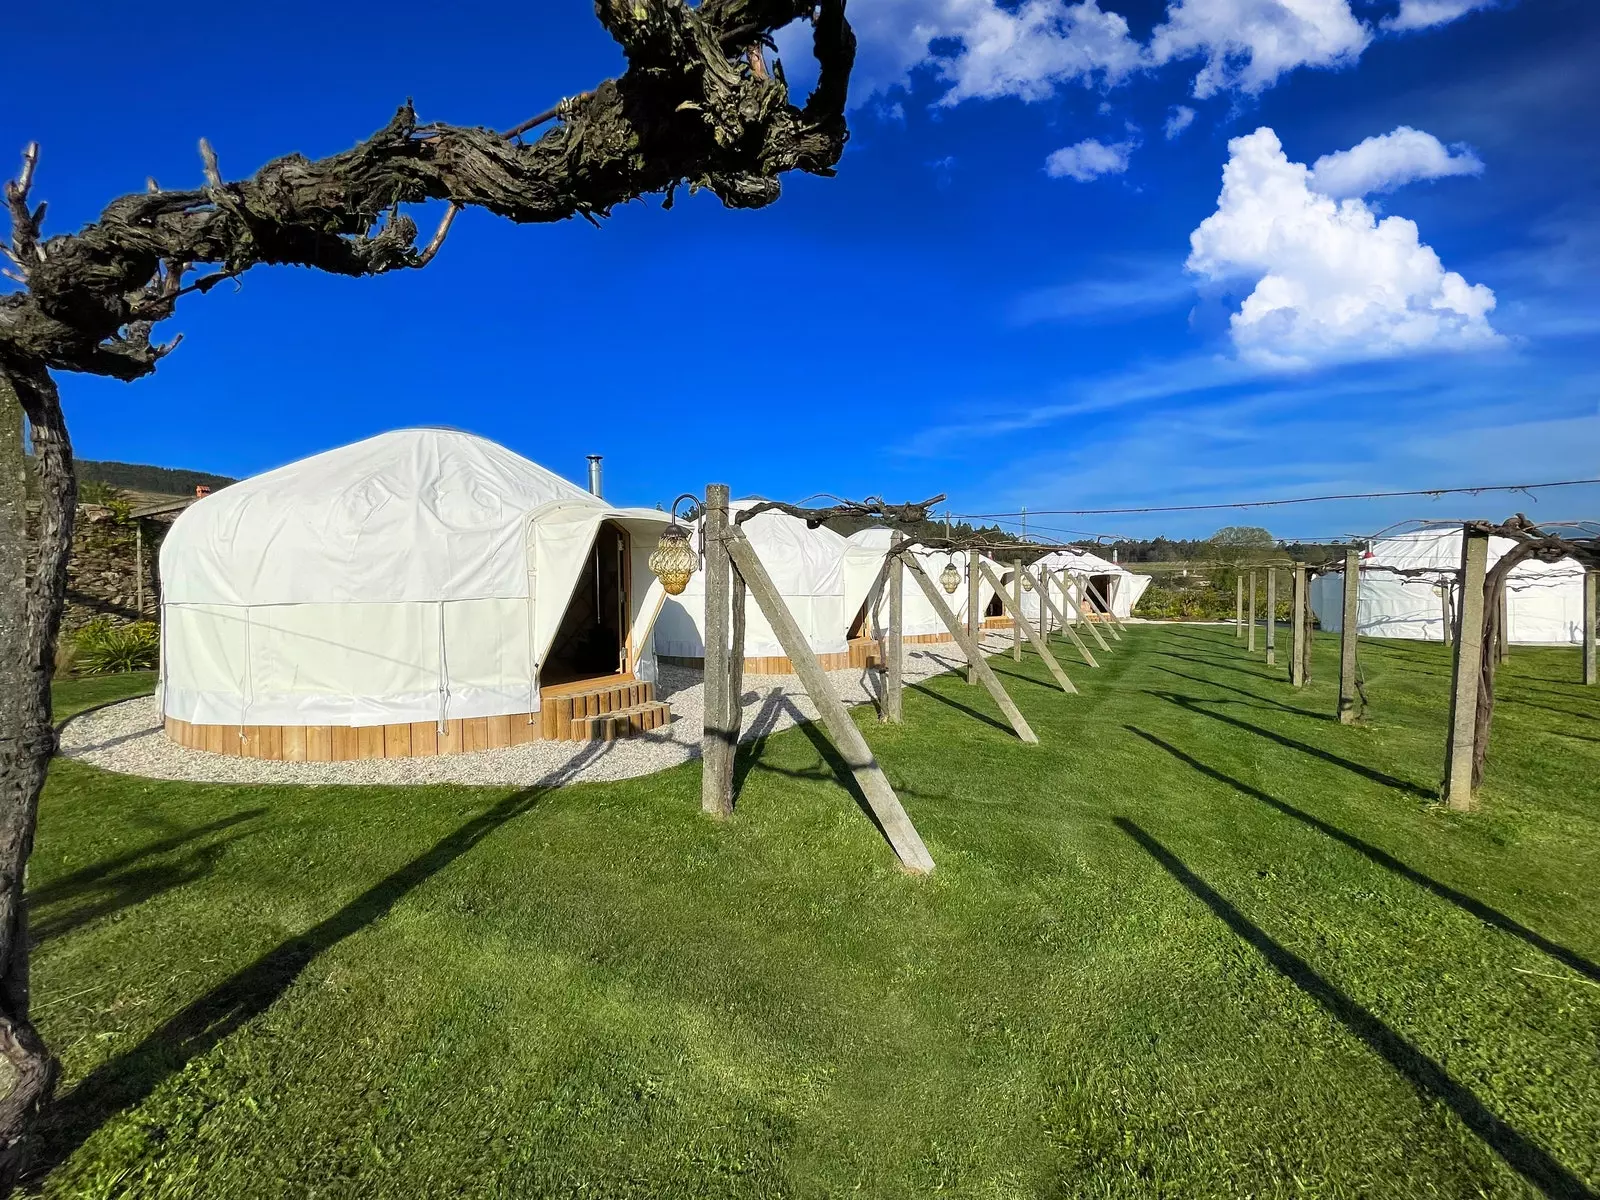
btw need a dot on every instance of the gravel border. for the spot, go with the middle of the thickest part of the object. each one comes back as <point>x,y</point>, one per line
<point>128,738</point>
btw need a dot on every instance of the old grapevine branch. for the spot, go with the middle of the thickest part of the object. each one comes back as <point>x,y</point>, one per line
<point>872,506</point>
<point>691,109</point>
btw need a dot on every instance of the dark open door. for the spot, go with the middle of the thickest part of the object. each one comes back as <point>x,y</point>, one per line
<point>591,641</point>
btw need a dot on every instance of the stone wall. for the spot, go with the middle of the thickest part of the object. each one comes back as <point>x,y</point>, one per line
<point>103,572</point>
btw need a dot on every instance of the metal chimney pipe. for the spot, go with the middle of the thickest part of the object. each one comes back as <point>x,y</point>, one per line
<point>594,474</point>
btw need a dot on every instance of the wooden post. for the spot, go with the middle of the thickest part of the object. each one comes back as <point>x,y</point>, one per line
<point>1591,586</point>
<point>974,654</point>
<point>1466,671</point>
<point>1348,709</point>
<point>1238,605</point>
<point>974,620</point>
<point>1272,616</point>
<point>1027,628</point>
<point>1067,628</point>
<point>1444,611</point>
<point>869,776</point>
<point>1297,625</point>
<point>1081,604</point>
<point>1250,643</point>
<point>1016,609</point>
<point>716,746</point>
<point>1504,647</point>
<point>1111,622</point>
<point>894,643</point>
<point>1044,609</point>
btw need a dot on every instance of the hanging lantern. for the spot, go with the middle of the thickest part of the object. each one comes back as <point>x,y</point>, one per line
<point>674,560</point>
<point>950,578</point>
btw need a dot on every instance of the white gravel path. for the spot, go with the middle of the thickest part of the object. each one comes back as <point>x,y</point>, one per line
<point>127,737</point>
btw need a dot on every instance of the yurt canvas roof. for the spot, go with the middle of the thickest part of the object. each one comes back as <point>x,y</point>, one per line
<point>1130,586</point>
<point>807,567</point>
<point>419,572</point>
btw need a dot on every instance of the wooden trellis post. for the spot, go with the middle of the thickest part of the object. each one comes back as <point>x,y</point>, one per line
<point>1591,586</point>
<point>1067,628</point>
<point>717,739</point>
<point>974,618</point>
<point>1238,605</point>
<point>1080,603</point>
<point>894,641</point>
<point>1444,611</point>
<point>1044,609</point>
<point>1272,616</point>
<point>970,648</point>
<point>869,776</point>
<point>1298,585</point>
<point>1348,707</point>
<point>1027,628</point>
<point>1250,643</point>
<point>1016,610</point>
<point>1467,671</point>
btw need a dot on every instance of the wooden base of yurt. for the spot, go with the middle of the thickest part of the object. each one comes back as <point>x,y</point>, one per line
<point>586,711</point>
<point>861,652</point>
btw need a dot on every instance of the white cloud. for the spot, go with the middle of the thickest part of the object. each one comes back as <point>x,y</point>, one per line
<point>1385,162</point>
<point>1425,14</point>
<point>1248,44</point>
<point>1088,160</point>
<point>1178,120</point>
<point>985,49</point>
<point>1331,281</point>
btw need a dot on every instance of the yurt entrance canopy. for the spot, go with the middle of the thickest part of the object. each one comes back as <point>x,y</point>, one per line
<point>420,575</point>
<point>1544,601</point>
<point>806,566</point>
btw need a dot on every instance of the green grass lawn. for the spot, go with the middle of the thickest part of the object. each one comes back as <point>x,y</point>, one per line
<point>1202,941</point>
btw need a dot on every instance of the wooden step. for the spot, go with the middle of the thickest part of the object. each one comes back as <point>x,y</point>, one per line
<point>626,722</point>
<point>561,707</point>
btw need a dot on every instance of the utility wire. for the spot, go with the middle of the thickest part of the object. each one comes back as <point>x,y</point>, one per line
<point>1157,508</point>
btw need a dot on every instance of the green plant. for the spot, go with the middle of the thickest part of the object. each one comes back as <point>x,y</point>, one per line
<point>104,648</point>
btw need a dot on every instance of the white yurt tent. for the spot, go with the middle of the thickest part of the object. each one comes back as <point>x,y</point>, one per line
<point>1120,587</point>
<point>807,567</point>
<point>864,560</point>
<point>422,575</point>
<point>1544,601</point>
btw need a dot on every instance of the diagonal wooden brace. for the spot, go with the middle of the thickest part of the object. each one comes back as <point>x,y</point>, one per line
<point>1033,636</point>
<point>978,664</point>
<point>874,784</point>
<point>1065,625</point>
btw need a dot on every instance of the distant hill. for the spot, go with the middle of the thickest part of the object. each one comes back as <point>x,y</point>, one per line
<point>137,477</point>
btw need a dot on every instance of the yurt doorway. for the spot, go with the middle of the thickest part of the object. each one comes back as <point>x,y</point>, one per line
<point>1106,587</point>
<point>592,639</point>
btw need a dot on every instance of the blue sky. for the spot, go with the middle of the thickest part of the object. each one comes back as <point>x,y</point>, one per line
<point>997,298</point>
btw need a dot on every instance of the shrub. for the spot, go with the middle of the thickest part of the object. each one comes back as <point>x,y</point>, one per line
<point>104,648</point>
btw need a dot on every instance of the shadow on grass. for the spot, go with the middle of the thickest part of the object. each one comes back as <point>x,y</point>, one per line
<point>962,708</point>
<point>1429,1079</point>
<point>131,1077</point>
<point>108,887</point>
<point>1289,708</point>
<point>1480,910</point>
<point>1193,704</point>
<point>1049,685</point>
<point>1216,664</point>
<point>1505,698</point>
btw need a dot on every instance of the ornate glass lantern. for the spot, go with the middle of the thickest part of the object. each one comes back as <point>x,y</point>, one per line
<point>674,558</point>
<point>950,578</point>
